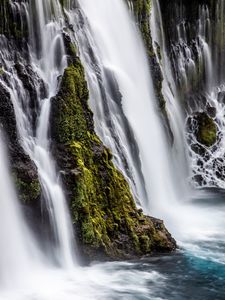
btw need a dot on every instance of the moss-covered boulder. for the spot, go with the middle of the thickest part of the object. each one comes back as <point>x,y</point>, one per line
<point>206,129</point>
<point>104,214</point>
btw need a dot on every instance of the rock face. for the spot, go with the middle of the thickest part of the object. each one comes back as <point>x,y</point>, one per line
<point>105,217</point>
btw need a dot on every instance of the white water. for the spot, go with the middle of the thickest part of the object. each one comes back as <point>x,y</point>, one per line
<point>18,249</point>
<point>124,55</point>
<point>42,281</point>
<point>192,221</point>
<point>45,62</point>
<point>174,111</point>
<point>197,69</point>
<point>105,99</point>
<point>49,68</point>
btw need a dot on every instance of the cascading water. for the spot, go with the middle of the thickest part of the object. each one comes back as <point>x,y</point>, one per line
<point>186,56</point>
<point>174,110</point>
<point>14,233</point>
<point>126,119</point>
<point>48,61</point>
<point>130,70</point>
<point>196,50</point>
<point>105,99</point>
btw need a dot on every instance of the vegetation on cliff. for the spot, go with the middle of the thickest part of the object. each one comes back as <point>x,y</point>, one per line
<point>106,219</point>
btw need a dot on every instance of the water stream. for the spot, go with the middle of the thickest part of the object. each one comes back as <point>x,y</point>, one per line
<point>47,59</point>
<point>130,70</point>
<point>18,250</point>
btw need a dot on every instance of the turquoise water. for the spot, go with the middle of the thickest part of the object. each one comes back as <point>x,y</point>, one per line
<point>195,271</point>
<point>176,277</point>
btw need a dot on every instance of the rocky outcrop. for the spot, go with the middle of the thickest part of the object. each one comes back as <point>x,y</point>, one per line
<point>105,217</point>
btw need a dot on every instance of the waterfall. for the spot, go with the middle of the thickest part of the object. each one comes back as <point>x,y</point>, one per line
<point>191,56</point>
<point>111,123</point>
<point>174,110</point>
<point>18,249</point>
<point>48,61</point>
<point>196,69</point>
<point>124,58</point>
<point>192,84</point>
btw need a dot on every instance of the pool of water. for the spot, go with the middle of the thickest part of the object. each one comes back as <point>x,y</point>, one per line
<point>195,271</point>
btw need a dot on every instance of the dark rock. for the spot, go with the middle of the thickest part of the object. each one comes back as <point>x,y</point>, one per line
<point>198,179</point>
<point>221,97</point>
<point>211,111</point>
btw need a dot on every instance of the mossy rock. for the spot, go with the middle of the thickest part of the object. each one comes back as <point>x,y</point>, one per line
<point>207,129</point>
<point>29,189</point>
<point>103,210</point>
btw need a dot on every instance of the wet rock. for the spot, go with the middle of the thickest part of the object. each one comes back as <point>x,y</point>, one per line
<point>207,129</point>
<point>23,169</point>
<point>198,179</point>
<point>221,97</point>
<point>219,168</point>
<point>203,128</point>
<point>107,223</point>
<point>211,111</point>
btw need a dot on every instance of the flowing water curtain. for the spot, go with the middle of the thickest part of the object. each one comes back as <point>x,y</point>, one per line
<point>196,50</point>
<point>106,102</point>
<point>174,108</point>
<point>138,100</point>
<point>14,232</point>
<point>31,83</point>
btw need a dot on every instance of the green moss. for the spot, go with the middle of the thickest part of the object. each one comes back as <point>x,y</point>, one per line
<point>102,206</point>
<point>27,191</point>
<point>142,11</point>
<point>207,130</point>
<point>145,243</point>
